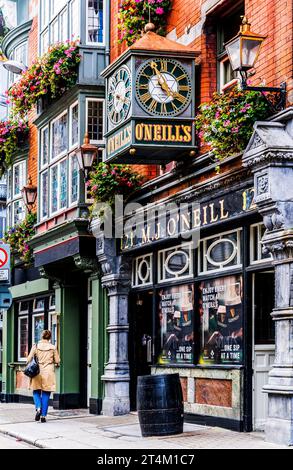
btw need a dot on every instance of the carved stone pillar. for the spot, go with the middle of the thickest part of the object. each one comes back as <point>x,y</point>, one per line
<point>116,279</point>
<point>270,155</point>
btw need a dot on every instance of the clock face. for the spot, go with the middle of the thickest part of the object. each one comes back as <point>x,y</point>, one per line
<point>119,95</point>
<point>163,87</point>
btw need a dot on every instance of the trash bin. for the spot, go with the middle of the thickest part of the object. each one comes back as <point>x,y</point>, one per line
<point>160,405</point>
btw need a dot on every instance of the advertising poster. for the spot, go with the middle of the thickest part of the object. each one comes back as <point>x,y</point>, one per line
<point>176,321</point>
<point>221,320</point>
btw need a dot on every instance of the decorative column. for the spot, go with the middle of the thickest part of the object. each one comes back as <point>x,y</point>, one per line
<point>270,156</point>
<point>116,279</point>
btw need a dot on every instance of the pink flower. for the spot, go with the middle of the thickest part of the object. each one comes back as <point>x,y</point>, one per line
<point>160,11</point>
<point>226,123</point>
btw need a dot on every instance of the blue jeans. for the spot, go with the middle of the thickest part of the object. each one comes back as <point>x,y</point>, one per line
<point>41,400</point>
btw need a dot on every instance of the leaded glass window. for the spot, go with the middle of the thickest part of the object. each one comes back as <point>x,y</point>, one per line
<point>54,188</point>
<point>63,184</point>
<point>59,136</point>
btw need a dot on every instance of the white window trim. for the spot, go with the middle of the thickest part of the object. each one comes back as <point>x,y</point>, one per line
<point>73,34</point>
<point>37,310</point>
<point>51,306</point>
<point>60,155</point>
<point>19,164</point>
<point>52,213</point>
<point>101,100</point>
<point>44,165</point>
<point>202,271</point>
<point>92,43</point>
<point>72,203</point>
<point>162,260</point>
<point>47,170</point>
<point>53,313</point>
<point>259,259</point>
<point>136,281</point>
<point>71,145</point>
<point>20,318</point>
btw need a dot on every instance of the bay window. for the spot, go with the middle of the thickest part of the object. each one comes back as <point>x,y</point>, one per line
<point>95,112</point>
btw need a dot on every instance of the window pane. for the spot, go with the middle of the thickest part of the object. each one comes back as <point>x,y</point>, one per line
<point>44,195</point>
<point>63,184</point>
<point>95,120</point>
<point>38,327</point>
<point>74,179</point>
<point>95,21</point>
<point>23,337</point>
<point>9,184</point>
<point>18,212</point>
<point>59,136</point>
<point>176,317</point>
<point>45,146</point>
<point>63,26</point>
<point>74,125</point>
<point>74,29</point>
<point>19,178</point>
<point>54,189</point>
<point>45,13</point>
<point>54,32</point>
<point>44,41</point>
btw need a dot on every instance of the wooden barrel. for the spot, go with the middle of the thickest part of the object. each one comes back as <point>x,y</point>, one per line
<point>160,405</point>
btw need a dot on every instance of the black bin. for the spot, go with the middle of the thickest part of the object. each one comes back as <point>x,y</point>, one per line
<point>160,405</point>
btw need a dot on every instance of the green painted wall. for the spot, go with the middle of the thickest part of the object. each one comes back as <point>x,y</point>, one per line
<point>8,352</point>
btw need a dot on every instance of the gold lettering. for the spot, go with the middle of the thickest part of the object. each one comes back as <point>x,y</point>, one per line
<point>146,234</point>
<point>187,132</point>
<point>178,137</point>
<point>185,222</point>
<point>139,131</point>
<point>205,221</point>
<point>213,218</point>
<point>157,132</point>
<point>222,207</point>
<point>196,217</point>
<point>147,132</point>
<point>164,133</point>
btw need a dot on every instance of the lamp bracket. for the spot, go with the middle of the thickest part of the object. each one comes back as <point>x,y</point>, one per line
<point>277,104</point>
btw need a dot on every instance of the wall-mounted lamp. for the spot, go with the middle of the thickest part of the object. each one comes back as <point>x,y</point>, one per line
<point>14,66</point>
<point>86,155</point>
<point>243,51</point>
<point>29,195</point>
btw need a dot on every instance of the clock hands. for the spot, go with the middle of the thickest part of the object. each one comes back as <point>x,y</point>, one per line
<point>162,81</point>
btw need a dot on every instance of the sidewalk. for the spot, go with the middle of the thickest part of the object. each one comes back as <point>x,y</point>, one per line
<point>77,429</point>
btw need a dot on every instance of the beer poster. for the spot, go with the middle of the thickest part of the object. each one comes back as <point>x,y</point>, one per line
<point>176,325</point>
<point>220,305</point>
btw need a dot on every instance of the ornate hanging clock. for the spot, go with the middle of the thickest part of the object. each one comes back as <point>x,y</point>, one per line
<point>151,102</point>
<point>119,95</point>
<point>163,87</point>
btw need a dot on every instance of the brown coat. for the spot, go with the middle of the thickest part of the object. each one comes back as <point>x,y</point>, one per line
<point>48,357</point>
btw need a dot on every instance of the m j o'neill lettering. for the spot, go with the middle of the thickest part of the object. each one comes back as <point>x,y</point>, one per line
<point>119,140</point>
<point>167,133</point>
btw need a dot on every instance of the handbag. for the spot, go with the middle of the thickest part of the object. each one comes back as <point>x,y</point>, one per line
<point>32,369</point>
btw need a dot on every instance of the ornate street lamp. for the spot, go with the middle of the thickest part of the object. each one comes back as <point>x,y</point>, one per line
<point>29,194</point>
<point>86,155</point>
<point>243,51</point>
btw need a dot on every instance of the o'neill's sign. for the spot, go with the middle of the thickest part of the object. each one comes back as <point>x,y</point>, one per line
<point>151,142</point>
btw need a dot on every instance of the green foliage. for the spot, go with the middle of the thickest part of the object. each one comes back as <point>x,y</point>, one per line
<point>50,75</point>
<point>135,14</point>
<point>19,236</point>
<point>107,181</point>
<point>11,134</point>
<point>226,122</point>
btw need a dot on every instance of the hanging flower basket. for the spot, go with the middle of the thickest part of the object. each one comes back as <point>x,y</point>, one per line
<point>226,122</point>
<point>135,14</point>
<point>48,77</point>
<point>13,134</point>
<point>19,236</point>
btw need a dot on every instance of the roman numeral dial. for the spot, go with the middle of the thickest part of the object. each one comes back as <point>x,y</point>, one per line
<point>163,87</point>
<point>119,95</point>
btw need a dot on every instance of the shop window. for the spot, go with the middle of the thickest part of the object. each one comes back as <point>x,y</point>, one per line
<point>74,125</point>
<point>22,338</point>
<point>221,252</point>
<point>95,119</point>
<point>227,27</point>
<point>53,322</point>
<point>59,135</point>
<point>221,320</point>
<point>257,255</point>
<point>143,271</point>
<point>95,21</point>
<point>38,326</point>
<point>175,263</point>
<point>176,316</point>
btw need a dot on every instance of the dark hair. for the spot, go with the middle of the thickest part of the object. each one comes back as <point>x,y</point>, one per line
<point>46,334</point>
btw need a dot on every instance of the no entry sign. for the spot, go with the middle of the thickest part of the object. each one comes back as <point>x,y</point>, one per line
<point>4,263</point>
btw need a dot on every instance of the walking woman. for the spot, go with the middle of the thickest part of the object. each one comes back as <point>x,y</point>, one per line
<point>45,382</point>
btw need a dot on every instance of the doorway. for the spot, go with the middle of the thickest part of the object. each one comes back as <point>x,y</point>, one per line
<point>140,339</point>
<point>263,342</point>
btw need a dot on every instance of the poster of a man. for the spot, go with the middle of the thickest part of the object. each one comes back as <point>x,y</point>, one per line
<point>221,320</point>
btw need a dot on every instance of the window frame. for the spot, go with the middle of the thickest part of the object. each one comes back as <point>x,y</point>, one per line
<point>93,43</point>
<point>70,202</point>
<point>162,260</point>
<point>102,100</point>
<point>64,152</point>
<point>20,318</point>
<point>36,314</point>
<point>71,144</point>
